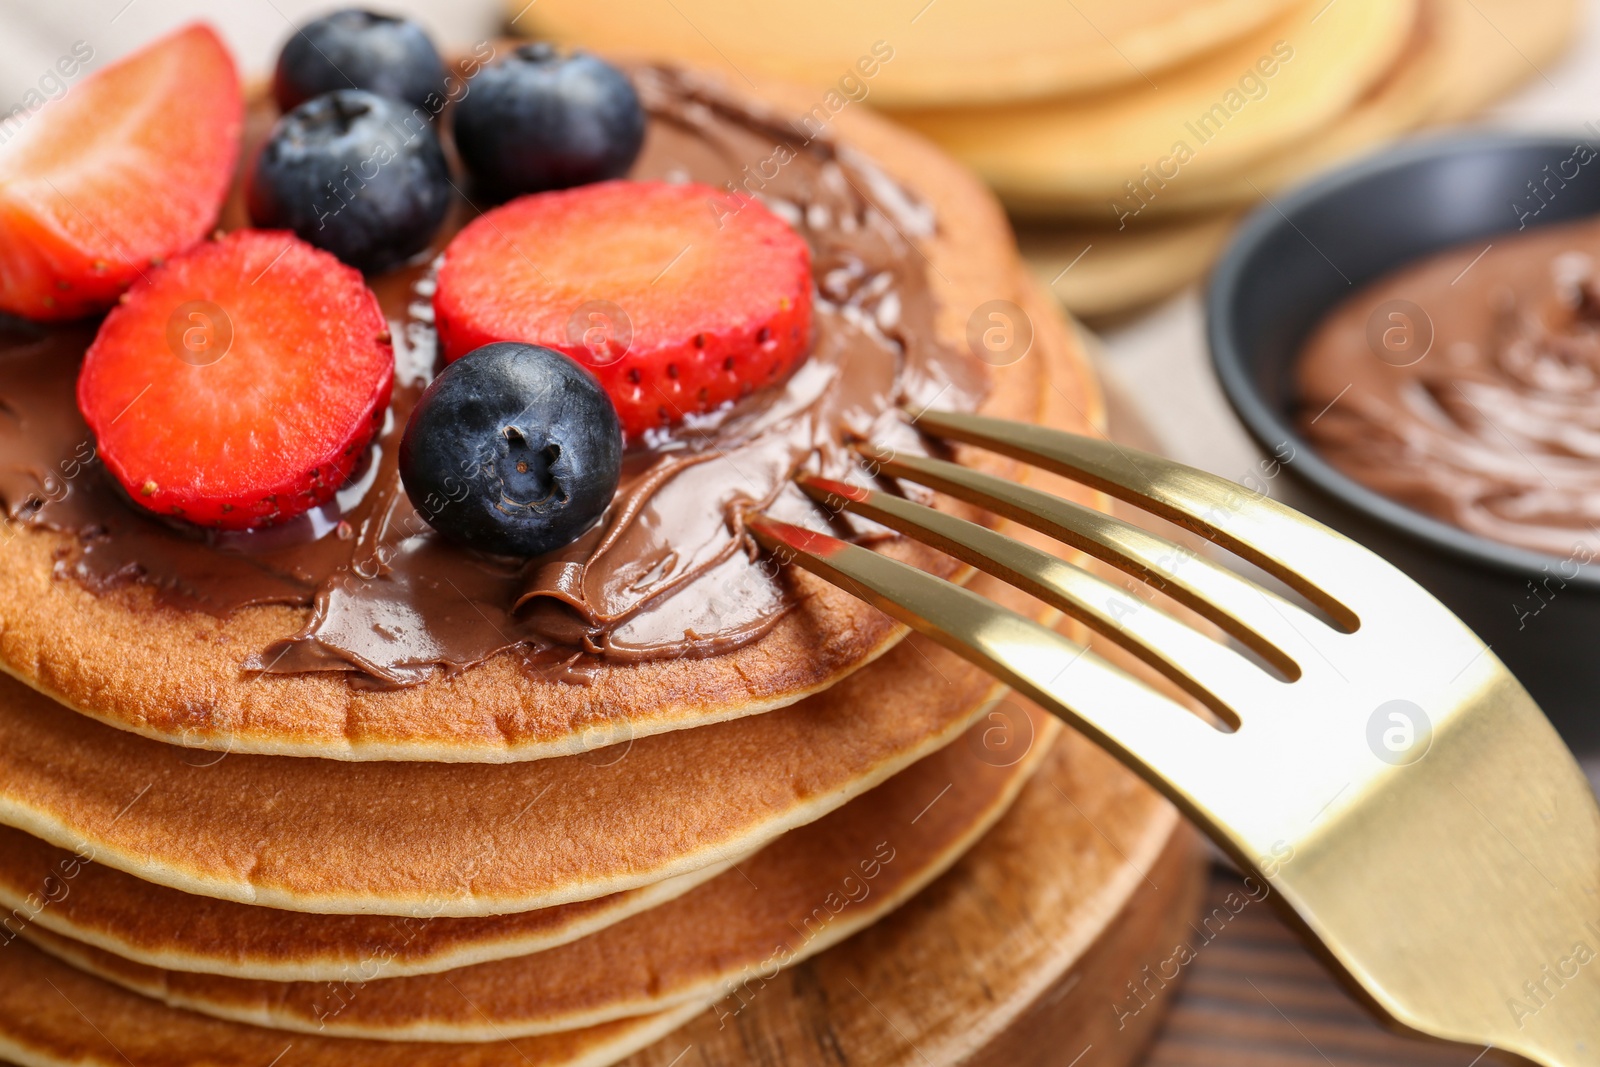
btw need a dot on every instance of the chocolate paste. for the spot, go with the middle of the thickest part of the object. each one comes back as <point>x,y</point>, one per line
<point>668,572</point>
<point>1469,388</point>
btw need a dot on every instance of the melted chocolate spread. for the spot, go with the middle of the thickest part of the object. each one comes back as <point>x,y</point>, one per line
<point>668,572</point>
<point>1496,428</point>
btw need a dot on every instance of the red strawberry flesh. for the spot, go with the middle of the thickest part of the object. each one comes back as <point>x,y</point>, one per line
<point>131,165</point>
<point>714,292</point>
<point>249,430</point>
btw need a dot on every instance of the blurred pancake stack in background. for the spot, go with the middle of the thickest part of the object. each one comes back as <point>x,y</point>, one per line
<point>1125,136</point>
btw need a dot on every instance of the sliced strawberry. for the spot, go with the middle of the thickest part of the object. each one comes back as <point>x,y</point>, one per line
<point>238,384</point>
<point>714,292</point>
<point>130,166</point>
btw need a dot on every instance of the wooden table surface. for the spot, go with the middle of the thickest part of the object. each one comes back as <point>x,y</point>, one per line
<point>1255,997</point>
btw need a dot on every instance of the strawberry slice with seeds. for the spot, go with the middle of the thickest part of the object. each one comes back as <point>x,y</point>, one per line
<point>680,298</point>
<point>129,166</point>
<point>238,384</point>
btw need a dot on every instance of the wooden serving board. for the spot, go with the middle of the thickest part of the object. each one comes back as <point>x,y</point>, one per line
<point>1020,955</point>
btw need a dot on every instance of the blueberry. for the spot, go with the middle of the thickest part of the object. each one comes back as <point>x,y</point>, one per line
<point>538,121</point>
<point>514,449</point>
<point>358,174</point>
<point>355,49</point>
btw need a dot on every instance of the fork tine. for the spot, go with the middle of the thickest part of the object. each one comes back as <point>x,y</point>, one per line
<point>1264,622</point>
<point>1216,675</point>
<point>1308,557</point>
<point>1154,735</point>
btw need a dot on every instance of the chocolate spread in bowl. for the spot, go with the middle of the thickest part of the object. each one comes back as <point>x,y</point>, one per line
<point>668,572</point>
<point>1469,388</point>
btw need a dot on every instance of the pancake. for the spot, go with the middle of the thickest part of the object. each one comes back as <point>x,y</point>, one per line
<point>808,891</point>
<point>427,840</point>
<point>56,890</point>
<point>1078,156</point>
<point>438,839</point>
<point>54,1015</point>
<point>1176,237</point>
<point>1405,97</point>
<point>132,659</point>
<point>1492,46</point>
<point>1098,271</point>
<point>919,54</point>
<point>161,928</point>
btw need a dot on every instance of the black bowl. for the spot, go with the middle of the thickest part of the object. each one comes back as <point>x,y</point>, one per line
<point>1293,261</point>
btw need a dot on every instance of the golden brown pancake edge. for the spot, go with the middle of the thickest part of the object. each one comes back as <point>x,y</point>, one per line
<point>804,893</point>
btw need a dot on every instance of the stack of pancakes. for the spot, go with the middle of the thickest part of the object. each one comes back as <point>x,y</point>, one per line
<point>1125,135</point>
<point>200,864</point>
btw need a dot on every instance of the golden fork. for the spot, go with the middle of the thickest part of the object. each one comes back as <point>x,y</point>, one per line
<point>1409,801</point>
